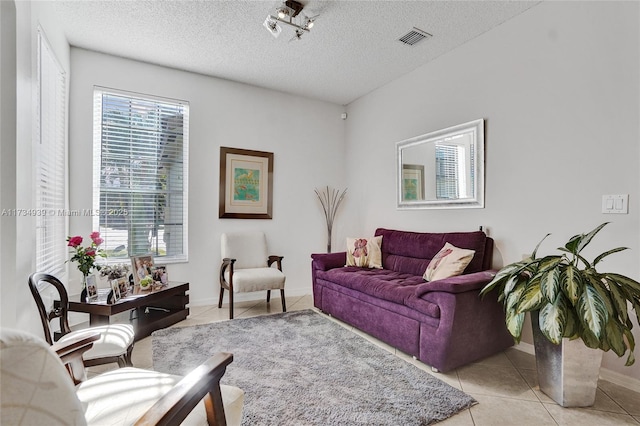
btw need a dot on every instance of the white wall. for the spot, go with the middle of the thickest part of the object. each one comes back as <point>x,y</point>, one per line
<point>306,137</point>
<point>18,308</point>
<point>558,87</point>
<point>7,155</point>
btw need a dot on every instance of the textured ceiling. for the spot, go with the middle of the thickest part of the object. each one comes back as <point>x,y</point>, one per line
<point>352,50</point>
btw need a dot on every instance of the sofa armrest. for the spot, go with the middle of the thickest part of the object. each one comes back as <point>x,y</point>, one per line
<point>326,261</point>
<point>459,284</point>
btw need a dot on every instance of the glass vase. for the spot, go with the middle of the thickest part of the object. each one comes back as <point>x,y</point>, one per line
<point>83,293</point>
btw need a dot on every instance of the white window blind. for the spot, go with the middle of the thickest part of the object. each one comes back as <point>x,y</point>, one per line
<point>50,158</point>
<point>446,171</point>
<point>140,174</point>
<point>455,168</point>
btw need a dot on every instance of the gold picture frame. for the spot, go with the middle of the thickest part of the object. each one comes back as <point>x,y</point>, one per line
<point>246,184</point>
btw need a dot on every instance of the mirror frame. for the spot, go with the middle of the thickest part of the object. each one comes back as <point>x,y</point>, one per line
<point>476,127</point>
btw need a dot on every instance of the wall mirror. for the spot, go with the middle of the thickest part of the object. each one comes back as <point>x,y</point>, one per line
<point>442,169</point>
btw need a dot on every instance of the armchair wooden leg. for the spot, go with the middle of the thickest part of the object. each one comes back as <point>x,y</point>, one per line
<point>284,304</point>
<point>268,296</point>
<point>220,299</point>
<point>230,304</point>
<point>125,360</point>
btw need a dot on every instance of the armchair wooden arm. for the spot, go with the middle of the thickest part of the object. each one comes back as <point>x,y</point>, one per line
<point>227,263</point>
<point>70,353</point>
<point>203,382</point>
<point>276,259</point>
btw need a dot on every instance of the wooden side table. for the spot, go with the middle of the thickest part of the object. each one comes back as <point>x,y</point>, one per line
<point>154,309</point>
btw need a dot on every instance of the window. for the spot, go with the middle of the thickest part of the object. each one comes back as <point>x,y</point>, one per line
<point>140,174</point>
<point>452,163</point>
<point>50,161</point>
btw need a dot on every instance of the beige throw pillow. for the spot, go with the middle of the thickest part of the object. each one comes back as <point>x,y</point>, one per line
<point>364,252</point>
<point>449,262</point>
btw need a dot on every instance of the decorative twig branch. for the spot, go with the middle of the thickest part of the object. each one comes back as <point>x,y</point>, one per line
<point>330,199</point>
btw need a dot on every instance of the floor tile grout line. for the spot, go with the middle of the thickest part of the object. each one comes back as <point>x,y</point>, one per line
<point>614,401</point>
<point>543,402</point>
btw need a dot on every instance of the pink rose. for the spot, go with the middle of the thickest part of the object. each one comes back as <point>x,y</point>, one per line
<point>74,241</point>
<point>90,252</point>
<point>95,237</point>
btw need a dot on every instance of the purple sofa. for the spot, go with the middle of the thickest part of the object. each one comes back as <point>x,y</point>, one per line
<point>444,323</point>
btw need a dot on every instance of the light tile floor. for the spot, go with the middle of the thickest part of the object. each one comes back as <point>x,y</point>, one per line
<point>505,385</point>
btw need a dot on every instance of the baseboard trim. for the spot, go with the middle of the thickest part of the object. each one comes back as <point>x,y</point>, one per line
<point>250,297</point>
<point>620,379</point>
<point>605,374</point>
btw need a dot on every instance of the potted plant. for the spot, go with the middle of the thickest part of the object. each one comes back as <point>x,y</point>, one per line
<point>573,308</point>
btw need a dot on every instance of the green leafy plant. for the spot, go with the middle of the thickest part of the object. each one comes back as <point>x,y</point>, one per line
<point>146,281</point>
<point>574,300</point>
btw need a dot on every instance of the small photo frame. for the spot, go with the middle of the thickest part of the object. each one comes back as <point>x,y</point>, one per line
<point>160,275</point>
<point>141,266</point>
<point>92,288</point>
<point>123,286</point>
<point>114,295</point>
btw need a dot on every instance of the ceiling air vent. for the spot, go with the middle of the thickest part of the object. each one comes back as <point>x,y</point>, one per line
<point>414,36</point>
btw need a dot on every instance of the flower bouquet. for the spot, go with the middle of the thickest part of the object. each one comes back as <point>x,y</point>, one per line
<point>86,256</point>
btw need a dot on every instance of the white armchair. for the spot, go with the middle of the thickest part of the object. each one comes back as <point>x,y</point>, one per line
<point>247,267</point>
<point>37,390</point>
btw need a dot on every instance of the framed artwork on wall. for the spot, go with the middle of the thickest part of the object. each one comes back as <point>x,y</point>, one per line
<point>246,184</point>
<point>412,182</point>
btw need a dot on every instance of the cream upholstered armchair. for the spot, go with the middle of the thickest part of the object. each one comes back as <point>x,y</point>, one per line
<point>247,267</point>
<point>38,390</point>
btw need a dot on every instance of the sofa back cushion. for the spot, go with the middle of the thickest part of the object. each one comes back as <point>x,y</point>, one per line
<point>411,252</point>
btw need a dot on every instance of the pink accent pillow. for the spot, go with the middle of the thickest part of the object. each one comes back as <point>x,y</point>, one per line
<point>364,252</point>
<point>450,261</point>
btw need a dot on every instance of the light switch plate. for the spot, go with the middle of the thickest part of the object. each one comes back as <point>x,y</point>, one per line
<point>615,204</point>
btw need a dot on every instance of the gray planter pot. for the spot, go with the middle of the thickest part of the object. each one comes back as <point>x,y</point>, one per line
<point>568,373</point>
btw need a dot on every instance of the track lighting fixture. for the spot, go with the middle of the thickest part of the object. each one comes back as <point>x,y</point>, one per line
<point>289,14</point>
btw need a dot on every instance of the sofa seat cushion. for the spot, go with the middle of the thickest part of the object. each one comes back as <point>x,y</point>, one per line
<point>380,283</point>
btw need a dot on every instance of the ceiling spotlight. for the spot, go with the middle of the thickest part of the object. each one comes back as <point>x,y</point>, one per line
<point>298,35</point>
<point>272,26</point>
<point>308,23</point>
<point>283,12</point>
